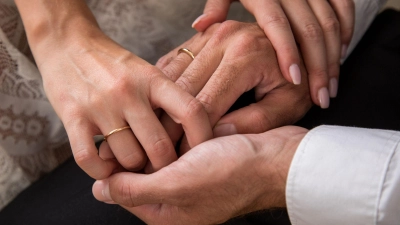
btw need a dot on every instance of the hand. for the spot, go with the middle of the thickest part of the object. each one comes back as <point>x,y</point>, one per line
<point>232,58</point>
<point>323,30</point>
<point>215,181</point>
<point>96,86</point>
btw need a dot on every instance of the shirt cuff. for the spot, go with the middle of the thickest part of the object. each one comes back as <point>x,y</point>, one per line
<point>344,175</point>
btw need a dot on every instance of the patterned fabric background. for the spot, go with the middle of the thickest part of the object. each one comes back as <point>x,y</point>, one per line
<point>32,138</point>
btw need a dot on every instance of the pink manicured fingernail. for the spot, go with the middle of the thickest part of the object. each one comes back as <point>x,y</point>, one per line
<point>333,87</point>
<point>344,51</point>
<point>224,130</point>
<point>295,74</point>
<point>196,21</point>
<point>323,97</point>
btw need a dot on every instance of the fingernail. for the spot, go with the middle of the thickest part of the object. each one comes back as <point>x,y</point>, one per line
<point>295,74</point>
<point>333,87</point>
<point>196,21</point>
<point>224,130</point>
<point>104,186</point>
<point>323,97</point>
<point>344,51</point>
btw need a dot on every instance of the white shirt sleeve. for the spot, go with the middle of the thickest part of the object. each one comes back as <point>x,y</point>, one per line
<point>366,11</point>
<point>343,175</point>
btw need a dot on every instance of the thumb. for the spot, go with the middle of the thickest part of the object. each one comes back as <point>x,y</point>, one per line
<point>215,11</point>
<point>276,109</point>
<point>131,189</point>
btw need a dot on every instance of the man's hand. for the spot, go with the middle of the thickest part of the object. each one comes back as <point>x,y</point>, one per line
<point>322,29</point>
<point>230,59</point>
<point>215,181</point>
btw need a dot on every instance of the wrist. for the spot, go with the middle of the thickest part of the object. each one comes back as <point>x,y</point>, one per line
<point>56,22</point>
<point>278,147</point>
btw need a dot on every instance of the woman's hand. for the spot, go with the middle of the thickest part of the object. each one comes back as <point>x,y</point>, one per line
<point>215,181</point>
<point>230,59</point>
<point>322,29</point>
<point>96,86</point>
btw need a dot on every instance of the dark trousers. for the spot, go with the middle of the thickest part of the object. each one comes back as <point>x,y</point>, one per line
<point>369,96</point>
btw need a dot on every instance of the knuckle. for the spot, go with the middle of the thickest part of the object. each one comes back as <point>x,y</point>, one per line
<point>224,30</point>
<point>331,25</point>
<point>275,21</point>
<point>262,120</point>
<point>133,161</point>
<point>318,73</point>
<point>125,192</point>
<point>83,158</point>
<point>247,41</point>
<point>193,109</point>
<point>162,147</point>
<point>312,31</point>
<point>206,100</point>
<point>120,87</point>
<point>174,68</point>
<point>186,83</point>
<point>164,61</point>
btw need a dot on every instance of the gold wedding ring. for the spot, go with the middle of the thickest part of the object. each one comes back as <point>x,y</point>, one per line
<point>187,51</point>
<point>115,131</point>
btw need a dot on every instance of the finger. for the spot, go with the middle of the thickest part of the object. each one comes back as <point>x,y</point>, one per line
<point>331,28</point>
<point>184,147</point>
<point>345,11</point>
<point>132,190</point>
<point>126,148</point>
<point>266,114</point>
<point>174,63</point>
<point>174,130</point>
<point>85,151</point>
<point>215,11</point>
<point>105,151</point>
<point>151,135</point>
<point>273,21</point>
<point>184,109</point>
<point>309,34</point>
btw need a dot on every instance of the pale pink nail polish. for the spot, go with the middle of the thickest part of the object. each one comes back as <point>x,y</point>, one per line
<point>196,21</point>
<point>344,51</point>
<point>333,87</point>
<point>323,97</point>
<point>295,74</point>
<point>224,130</point>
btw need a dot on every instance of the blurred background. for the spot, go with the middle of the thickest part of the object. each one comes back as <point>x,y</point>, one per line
<point>393,4</point>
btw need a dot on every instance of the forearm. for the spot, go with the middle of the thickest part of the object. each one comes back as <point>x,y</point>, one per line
<point>58,20</point>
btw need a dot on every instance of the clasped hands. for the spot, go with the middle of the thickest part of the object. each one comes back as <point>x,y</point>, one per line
<point>96,86</point>
<point>230,59</point>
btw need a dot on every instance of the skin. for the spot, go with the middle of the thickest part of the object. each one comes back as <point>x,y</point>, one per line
<point>96,86</point>
<point>199,187</point>
<point>204,185</point>
<point>232,58</point>
<point>321,30</point>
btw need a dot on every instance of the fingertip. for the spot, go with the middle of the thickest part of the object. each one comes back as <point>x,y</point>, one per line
<point>101,191</point>
<point>224,130</point>
<point>295,74</point>
<point>323,98</point>
<point>197,21</point>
